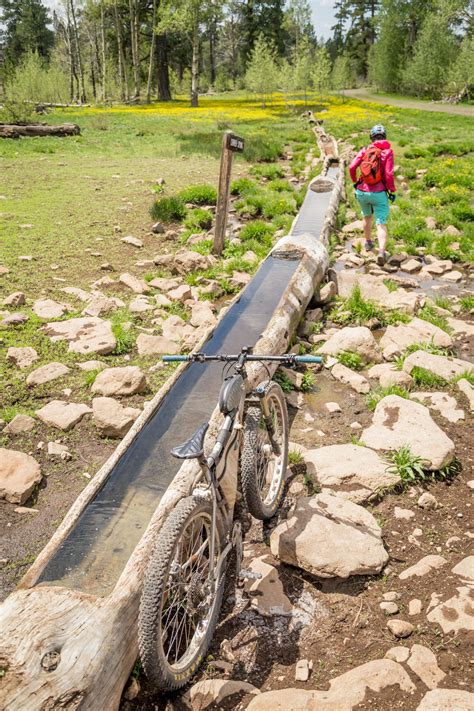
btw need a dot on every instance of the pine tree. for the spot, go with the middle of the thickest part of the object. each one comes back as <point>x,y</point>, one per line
<point>26,29</point>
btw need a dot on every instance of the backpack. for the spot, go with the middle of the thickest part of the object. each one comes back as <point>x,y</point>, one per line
<point>371,166</point>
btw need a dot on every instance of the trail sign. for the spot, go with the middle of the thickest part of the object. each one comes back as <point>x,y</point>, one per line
<point>230,144</point>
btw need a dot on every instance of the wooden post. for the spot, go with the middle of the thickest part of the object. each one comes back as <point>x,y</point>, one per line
<point>230,144</point>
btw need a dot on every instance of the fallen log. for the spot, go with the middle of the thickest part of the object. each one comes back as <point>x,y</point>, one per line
<point>66,649</point>
<point>8,130</point>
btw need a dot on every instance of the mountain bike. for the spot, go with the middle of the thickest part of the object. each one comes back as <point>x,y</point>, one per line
<point>184,582</point>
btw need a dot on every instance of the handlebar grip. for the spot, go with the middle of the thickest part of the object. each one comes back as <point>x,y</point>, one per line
<point>175,358</point>
<point>308,359</point>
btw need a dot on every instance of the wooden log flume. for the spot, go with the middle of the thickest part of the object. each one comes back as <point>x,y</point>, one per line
<point>11,130</point>
<point>67,649</point>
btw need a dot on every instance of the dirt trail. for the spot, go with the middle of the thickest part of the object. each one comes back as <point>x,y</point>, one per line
<point>365,95</point>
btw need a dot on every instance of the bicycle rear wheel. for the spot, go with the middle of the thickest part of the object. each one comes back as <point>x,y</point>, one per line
<point>262,470</point>
<point>179,608</point>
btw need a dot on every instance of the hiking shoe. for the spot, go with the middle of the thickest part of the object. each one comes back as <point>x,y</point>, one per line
<point>382,258</point>
<point>369,245</point>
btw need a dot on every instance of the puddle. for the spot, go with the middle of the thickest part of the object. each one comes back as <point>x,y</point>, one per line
<point>326,389</point>
<point>94,555</point>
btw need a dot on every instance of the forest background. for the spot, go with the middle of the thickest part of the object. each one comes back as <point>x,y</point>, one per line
<point>144,50</point>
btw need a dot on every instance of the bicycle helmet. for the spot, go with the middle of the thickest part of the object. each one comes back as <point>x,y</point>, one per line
<point>378,132</point>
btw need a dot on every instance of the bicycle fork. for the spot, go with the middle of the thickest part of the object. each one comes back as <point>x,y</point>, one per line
<point>267,416</point>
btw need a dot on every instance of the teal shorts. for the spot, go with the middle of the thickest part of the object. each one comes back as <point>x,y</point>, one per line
<point>374,204</point>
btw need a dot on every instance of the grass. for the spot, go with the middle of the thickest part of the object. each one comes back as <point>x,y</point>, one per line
<point>390,284</point>
<point>350,360</point>
<point>307,382</point>
<point>467,302</point>
<point>428,347</point>
<point>360,311</point>
<point>198,220</point>
<point>469,376</point>
<point>199,195</point>
<point>430,314</point>
<point>295,458</point>
<point>168,209</point>
<point>373,398</point>
<point>424,378</point>
<point>283,381</point>
<point>121,328</point>
<point>444,303</point>
<point>408,466</point>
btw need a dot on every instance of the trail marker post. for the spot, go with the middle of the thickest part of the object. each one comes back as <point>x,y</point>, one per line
<point>230,144</point>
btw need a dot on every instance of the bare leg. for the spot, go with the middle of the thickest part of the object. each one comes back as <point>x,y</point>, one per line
<point>367,228</point>
<point>382,235</point>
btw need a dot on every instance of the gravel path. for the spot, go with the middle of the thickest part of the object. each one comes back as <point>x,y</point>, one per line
<point>366,95</point>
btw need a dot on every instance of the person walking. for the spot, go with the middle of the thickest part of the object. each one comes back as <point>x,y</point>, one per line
<point>375,187</point>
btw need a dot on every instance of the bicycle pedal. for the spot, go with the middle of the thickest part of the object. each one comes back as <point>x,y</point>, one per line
<point>246,574</point>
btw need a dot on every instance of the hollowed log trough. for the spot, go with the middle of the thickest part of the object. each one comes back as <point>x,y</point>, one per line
<point>63,648</point>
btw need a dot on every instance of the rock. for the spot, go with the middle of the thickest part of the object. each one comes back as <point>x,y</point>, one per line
<point>357,339</point>
<point>404,514</point>
<point>158,228</point>
<point>25,510</point>
<point>414,607</point>
<point>239,279</point>
<point>156,345</point>
<point>266,593</point>
<point>445,404</point>
<point>349,470</point>
<point>47,308</point>
<point>303,669</point>
<point>396,339</point>
<point>466,388</point>
<point>138,286</point>
<point>47,373</point>
<point>398,422</point>
<point>85,334</point>
<point>356,226</point>
<point>19,425</point>
<point>427,501</point>
<point>400,628</point>
<point>16,299</point>
<point>15,319</point>
<point>327,293</point>
<point>202,315</point>
<point>332,407</point>
<point>132,690</point>
<point>347,376</point>
<point>164,284</point>
<point>438,266</point>
<point>453,277</point>
<point>180,293</point>
<point>58,450</point>
<point>61,414</point>
<point>460,328</point>
<point>186,261</point>
<point>22,357</point>
<point>447,700</point>
<point>345,692</point>
<point>430,223</point>
<point>423,662</point>
<point>411,266</point>
<point>390,608</point>
<point>455,614</point>
<point>423,567</point>
<point>111,418</point>
<point>447,368</point>
<point>4,270</point>
<point>465,569</point>
<point>89,365</point>
<point>126,380</point>
<point>356,549</point>
<point>162,300</point>
<point>398,654</point>
<point>452,231</point>
<point>140,305</point>
<point>211,692</point>
<point>373,289</point>
<point>134,241</point>
<point>19,474</point>
<point>80,294</point>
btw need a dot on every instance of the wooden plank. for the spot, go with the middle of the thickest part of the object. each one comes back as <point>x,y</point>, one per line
<point>223,197</point>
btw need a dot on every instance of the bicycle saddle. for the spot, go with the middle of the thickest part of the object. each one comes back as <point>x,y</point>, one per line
<point>194,446</point>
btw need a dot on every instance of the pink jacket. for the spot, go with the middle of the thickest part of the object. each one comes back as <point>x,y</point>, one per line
<point>387,169</point>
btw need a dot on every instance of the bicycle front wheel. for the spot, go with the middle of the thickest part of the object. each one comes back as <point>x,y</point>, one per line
<point>179,607</point>
<point>263,471</point>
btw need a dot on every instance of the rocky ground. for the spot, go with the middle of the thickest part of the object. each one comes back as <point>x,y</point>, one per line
<point>365,597</point>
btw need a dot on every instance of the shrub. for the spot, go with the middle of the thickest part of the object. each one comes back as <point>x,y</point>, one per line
<point>198,219</point>
<point>350,360</point>
<point>271,171</point>
<point>307,382</point>
<point>283,381</point>
<point>242,186</point>
<point>375,396</point>
<point>125,340</point>
<point>280,185</point>
<point>168,209</point>
<point>426,379</point>
<point>295,458</point>
<point>263,149</point>
<point>199,195</point>
<point>279,205</point>
<point>407,465</point>
<point>255,230</point>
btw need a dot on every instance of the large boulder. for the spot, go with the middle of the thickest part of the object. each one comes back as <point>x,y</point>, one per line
<point>349,470</point>
<point>447,700</point>
<point>202,315</point>
<point>47,308</point>
<point>387,374</point>
<point>22,357</point>
<point>111,418</point>
<point>447,368</point>
<point>47,373</point>
<point>356,339</point>
<point>19,474</point>
<point>346,692</point>
<point>20,425</point>
<point>396,339</point>
<point>63,415</point>
<point>148,345</point>
<point>85,334</point>
<point>330,537</point>
<point>127,380</point>
<point>373,289</point>
<point>398,422</point>
<point>445,404</point>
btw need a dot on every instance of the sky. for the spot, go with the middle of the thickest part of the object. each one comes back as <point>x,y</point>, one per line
<point>323,15</point>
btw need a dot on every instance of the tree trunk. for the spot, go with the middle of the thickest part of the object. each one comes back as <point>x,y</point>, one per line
<point>195,66</point>
<point>164,89</point>
<point>122,67</point>
<point>152,55</point>
<point>14,131</point>
<point>104,51</point>
<point>82,97</point>
<point>134,25</point>
<point>212,52</point>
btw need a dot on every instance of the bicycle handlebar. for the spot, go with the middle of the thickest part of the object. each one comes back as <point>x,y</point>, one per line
<point>201,358</point>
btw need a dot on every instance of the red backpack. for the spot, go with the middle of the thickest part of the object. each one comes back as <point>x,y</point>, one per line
<point>371,166</point>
